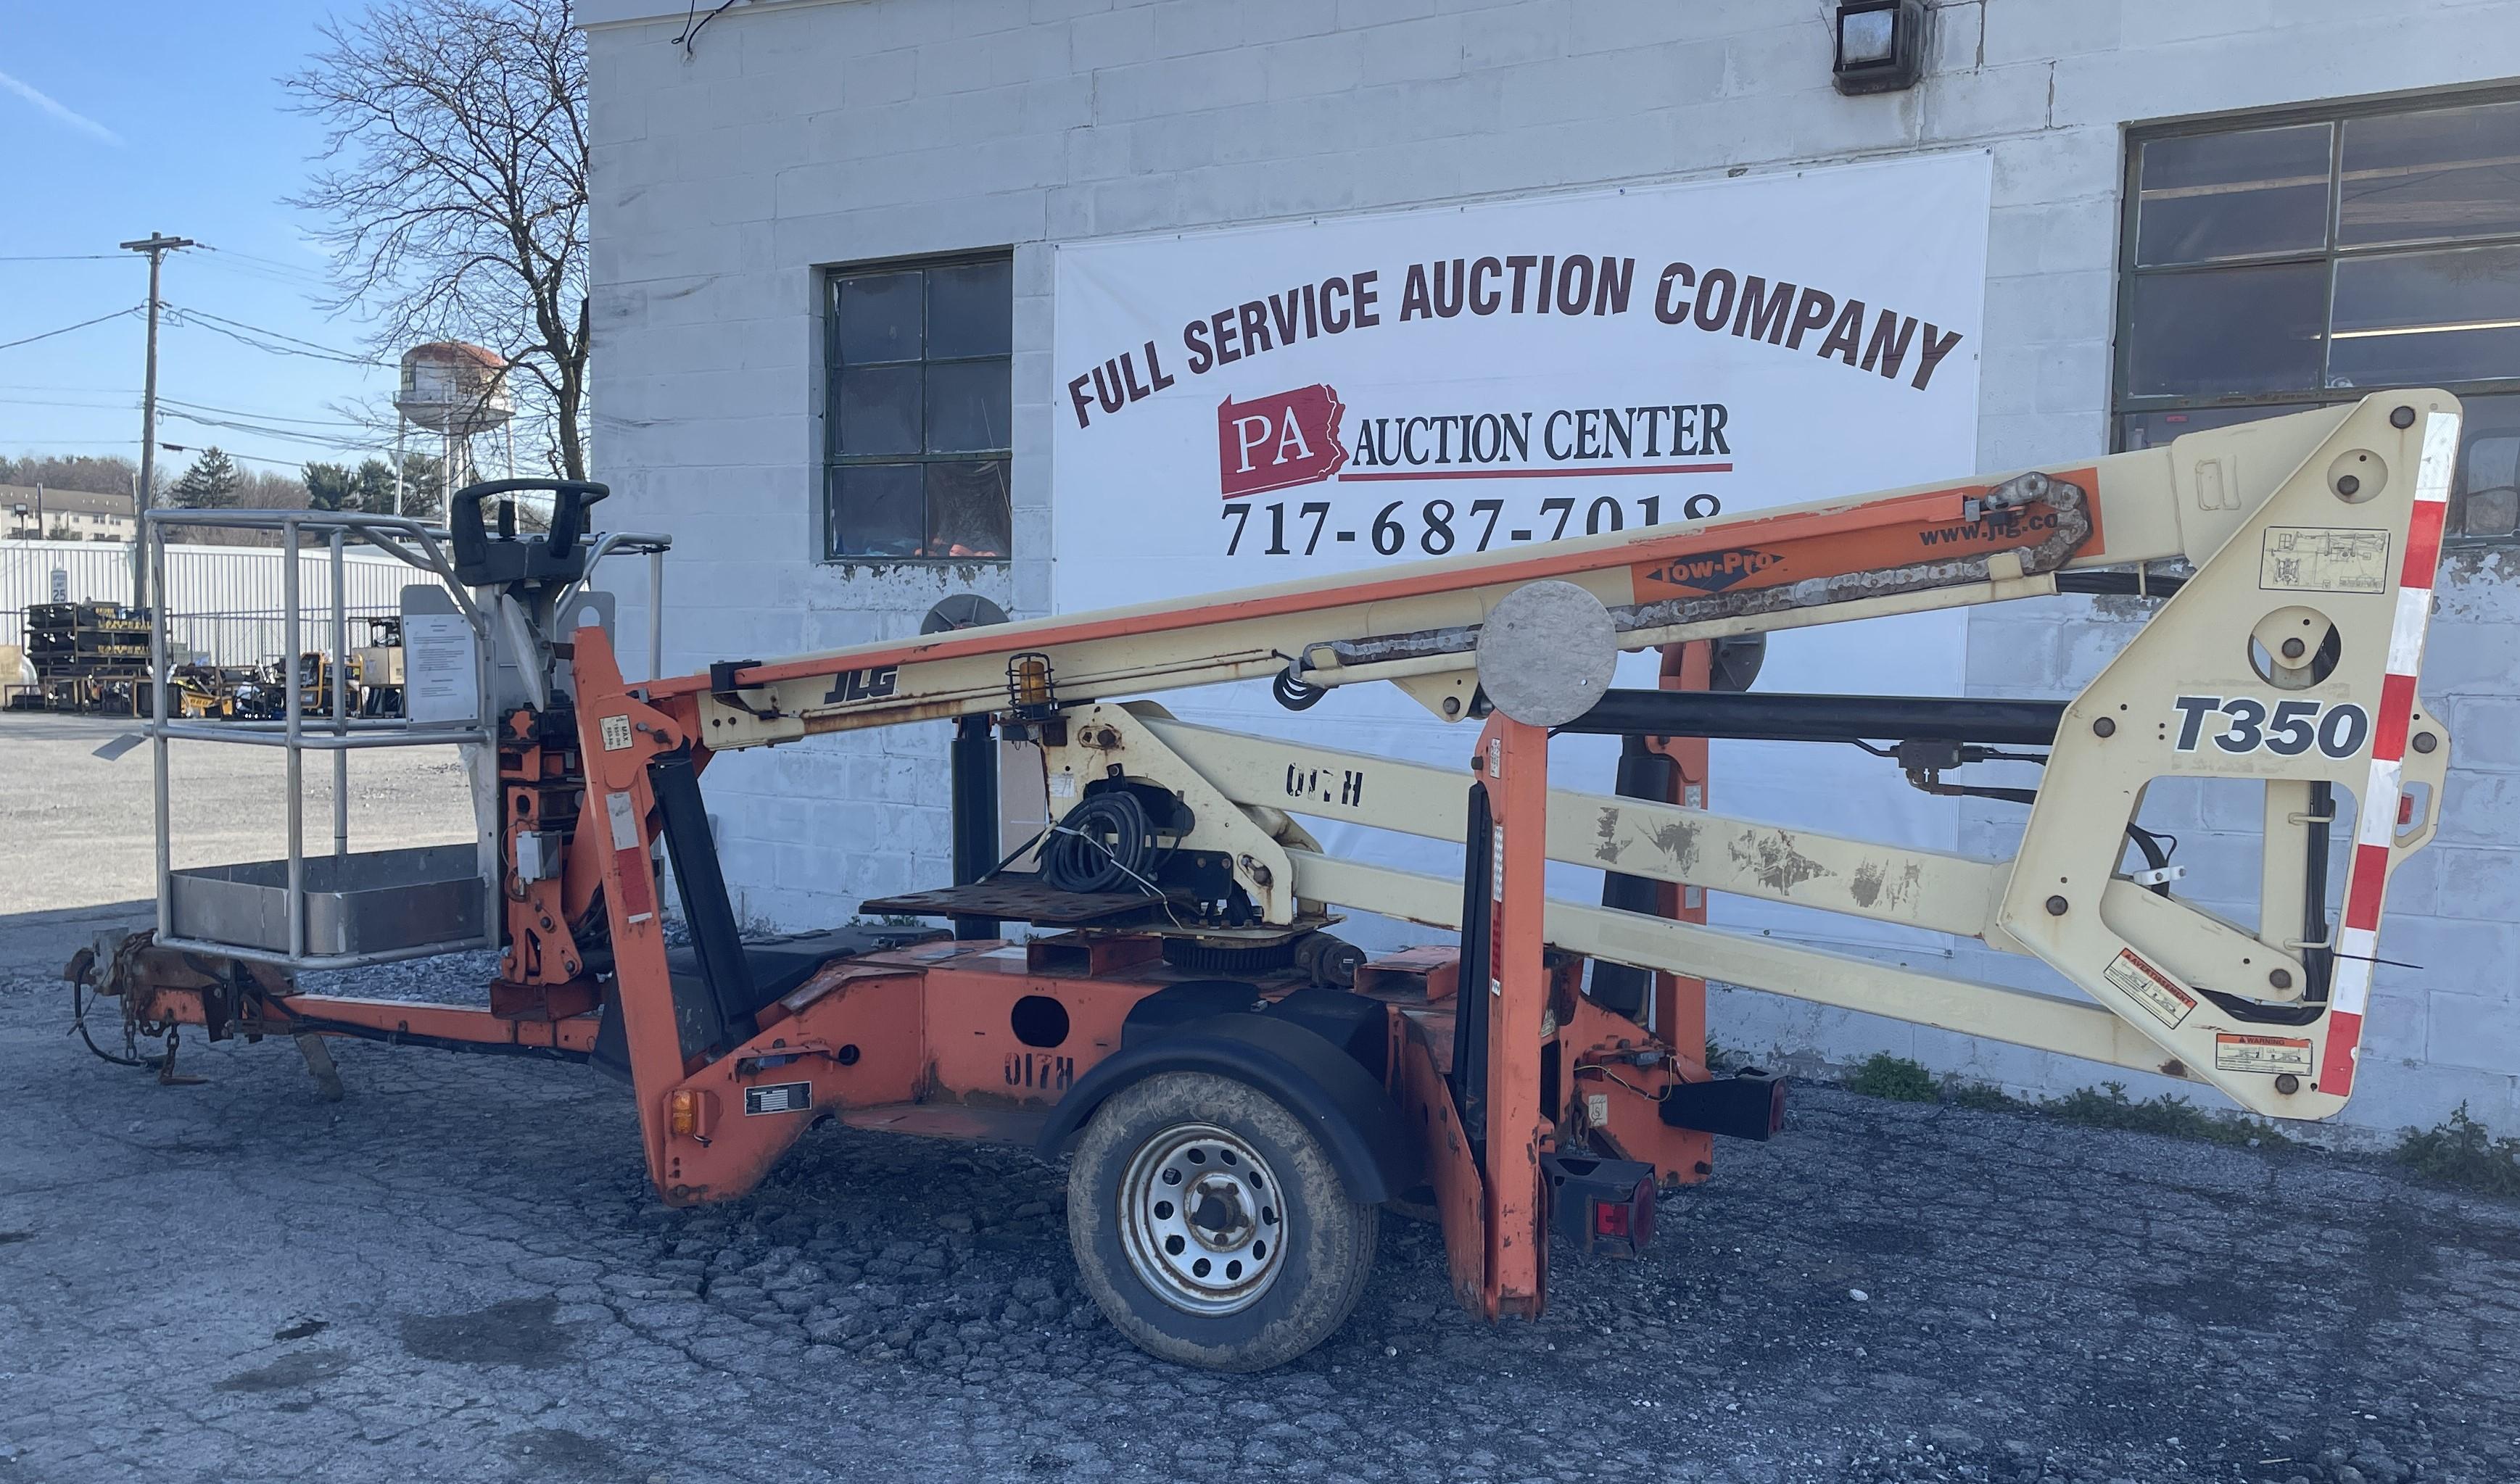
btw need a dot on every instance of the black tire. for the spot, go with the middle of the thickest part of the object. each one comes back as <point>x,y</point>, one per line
<point>1323,1252</point>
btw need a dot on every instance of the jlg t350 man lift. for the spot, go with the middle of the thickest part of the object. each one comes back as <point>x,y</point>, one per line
<point>1238,1095</point>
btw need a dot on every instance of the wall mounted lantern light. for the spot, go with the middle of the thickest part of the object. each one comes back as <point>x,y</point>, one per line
<point>1880,45</point>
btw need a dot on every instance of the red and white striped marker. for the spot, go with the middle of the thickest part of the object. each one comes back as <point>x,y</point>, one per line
<point>2358,940</point>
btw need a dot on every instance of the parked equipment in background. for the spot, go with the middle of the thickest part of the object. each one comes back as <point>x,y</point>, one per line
<point>201,691</point>
<point>376,668</point>
<point>1240,1098</point>
<point>89,656</point>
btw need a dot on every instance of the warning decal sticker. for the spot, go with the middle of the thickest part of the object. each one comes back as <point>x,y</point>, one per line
<point>2270,1054</point>
<point>2168,1000</point>
<point>2319,558</point>
<point>778,1098</point>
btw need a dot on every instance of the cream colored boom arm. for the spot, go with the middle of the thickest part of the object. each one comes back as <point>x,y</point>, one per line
<point>1830,562</point>
<point>2290,658</point>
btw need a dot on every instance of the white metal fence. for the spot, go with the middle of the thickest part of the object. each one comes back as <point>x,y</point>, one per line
<point>224,602</point>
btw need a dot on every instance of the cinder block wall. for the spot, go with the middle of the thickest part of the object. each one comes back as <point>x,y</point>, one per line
<point>802,133</point>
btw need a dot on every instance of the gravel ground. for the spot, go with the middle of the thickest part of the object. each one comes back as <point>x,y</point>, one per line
<point>459,1273</point>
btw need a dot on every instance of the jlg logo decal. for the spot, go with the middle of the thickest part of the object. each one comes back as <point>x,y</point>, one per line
<point>2288,729</point>
<point>875,683</point>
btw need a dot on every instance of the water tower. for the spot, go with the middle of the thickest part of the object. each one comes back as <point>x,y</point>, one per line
<point>455,390</point>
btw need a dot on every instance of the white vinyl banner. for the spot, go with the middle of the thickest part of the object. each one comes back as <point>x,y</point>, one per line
<point>1252,405</point>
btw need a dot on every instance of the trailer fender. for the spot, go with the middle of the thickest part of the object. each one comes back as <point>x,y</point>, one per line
<point>1303,1071</point>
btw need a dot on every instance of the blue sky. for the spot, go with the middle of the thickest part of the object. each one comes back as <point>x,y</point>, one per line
<point>119,120</point>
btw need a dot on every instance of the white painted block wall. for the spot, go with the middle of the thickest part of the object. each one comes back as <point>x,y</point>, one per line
<point>803,133</point>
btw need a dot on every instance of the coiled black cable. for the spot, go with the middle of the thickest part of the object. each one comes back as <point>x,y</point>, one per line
<point>1103,842</point>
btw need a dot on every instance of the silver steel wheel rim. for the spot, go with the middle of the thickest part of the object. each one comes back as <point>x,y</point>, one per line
<point>1201,1218</point>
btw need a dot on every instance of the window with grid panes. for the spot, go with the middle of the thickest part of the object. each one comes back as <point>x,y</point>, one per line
<point>919,386</point>
<point>2302,259</point>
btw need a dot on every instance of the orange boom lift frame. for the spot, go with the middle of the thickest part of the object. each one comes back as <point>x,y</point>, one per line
<point>1243,1093</point>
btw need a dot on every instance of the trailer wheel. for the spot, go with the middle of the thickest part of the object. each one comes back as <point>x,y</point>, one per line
<point>1211,1227</point>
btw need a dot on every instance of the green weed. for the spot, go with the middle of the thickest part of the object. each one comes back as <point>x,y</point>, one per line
<point>1896,1078</point>
<point>2108,1106</point>
<point>2460,1151</point>
<point>1984,1097</point>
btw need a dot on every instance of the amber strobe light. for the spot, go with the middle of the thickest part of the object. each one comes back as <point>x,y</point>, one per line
<point>1028,684</point>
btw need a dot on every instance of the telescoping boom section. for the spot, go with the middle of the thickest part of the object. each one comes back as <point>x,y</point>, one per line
<point>1240,1093</point>
<point>2289,655</point>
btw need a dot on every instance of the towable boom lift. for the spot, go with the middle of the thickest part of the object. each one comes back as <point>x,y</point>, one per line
<point>1240,1092</point>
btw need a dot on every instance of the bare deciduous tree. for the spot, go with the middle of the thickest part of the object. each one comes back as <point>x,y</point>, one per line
<point>454,179</point>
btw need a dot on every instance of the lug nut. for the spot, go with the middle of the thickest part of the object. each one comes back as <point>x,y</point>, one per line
<point>2287,1084</point>
<point>2403,417</point>
<point>2425,741</point>
<point>2347,485</point>
<point>2106,726</point>
<point>2056,906</point>
<point>2292,647</point>
<point>2280,978</point>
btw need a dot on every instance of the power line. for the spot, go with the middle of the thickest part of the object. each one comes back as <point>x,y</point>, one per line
<point>296,270</point>
<point>62,258</point>
<point>269,278</point>
<point>261,339</point>
<point>66,328</point>
<point>347,424</point>
<point>42,402</point>
<point>196,448</point>
<point>272,416</point>
<point>281,434</point>
<point>278,334</point>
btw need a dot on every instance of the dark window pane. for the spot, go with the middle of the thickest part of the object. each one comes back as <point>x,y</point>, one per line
<point>970,310</point>
<point>2230,331</point>
<point>920,412</point>
<point>967,407</point>
<point>880,410</point>
<point>2155,429</point>
<point>968,513</point>
<point>878,318</point>
<point>2213,196</point>
<point>877,511</point>
<point>2486,501</point>
<point>2426,177</point>
<point>2426,316</point>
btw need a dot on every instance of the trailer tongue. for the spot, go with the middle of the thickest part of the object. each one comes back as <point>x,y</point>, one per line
<point>1241,1093</point>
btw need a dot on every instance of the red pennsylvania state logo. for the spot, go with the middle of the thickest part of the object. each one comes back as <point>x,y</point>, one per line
<point>1275,443</point>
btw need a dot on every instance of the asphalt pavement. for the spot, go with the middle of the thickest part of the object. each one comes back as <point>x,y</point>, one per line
<point>458,1272</point>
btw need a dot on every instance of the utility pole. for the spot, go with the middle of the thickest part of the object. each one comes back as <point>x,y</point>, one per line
<point>157,244</point>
